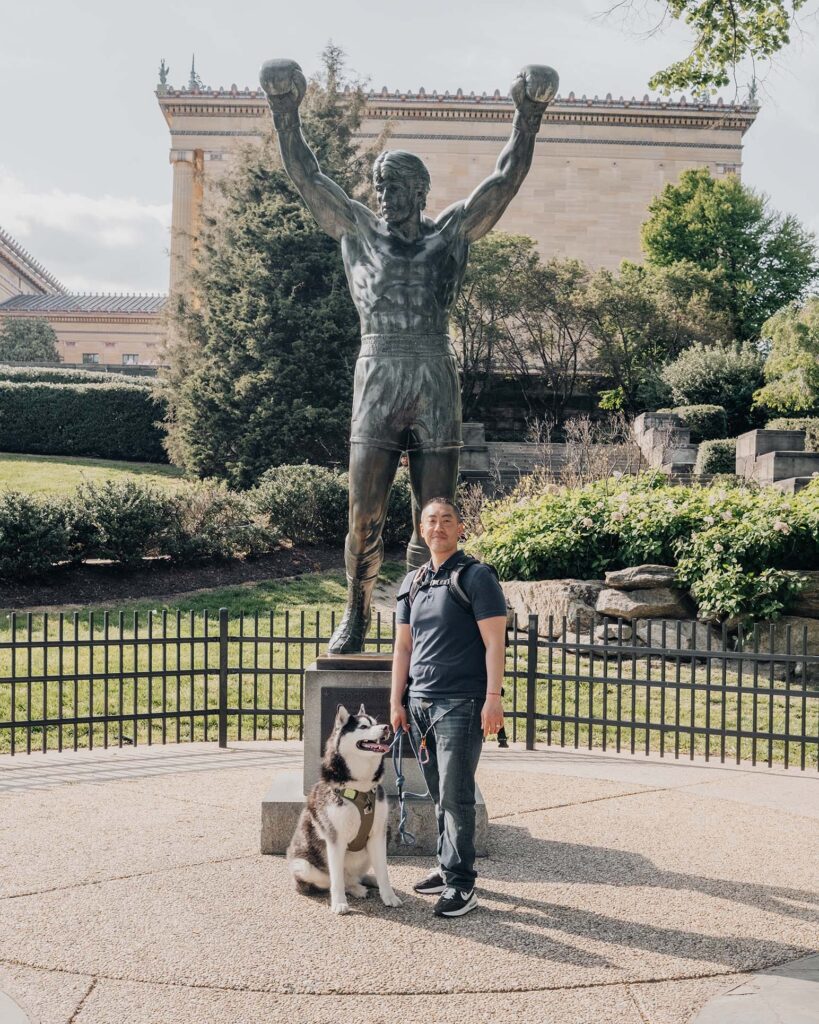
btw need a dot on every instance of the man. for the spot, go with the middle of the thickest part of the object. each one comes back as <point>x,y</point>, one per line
<point>403,271</point>
<point>453,660</point>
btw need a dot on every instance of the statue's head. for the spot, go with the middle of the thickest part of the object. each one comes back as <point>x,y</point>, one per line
<point>401,184</point>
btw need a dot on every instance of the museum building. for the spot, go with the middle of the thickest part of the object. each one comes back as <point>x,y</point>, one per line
<point>92,330</point>
<point>597,165</point>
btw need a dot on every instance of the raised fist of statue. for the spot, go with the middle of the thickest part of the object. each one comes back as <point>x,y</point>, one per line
<point>532,91</point>
<point>285,85</point>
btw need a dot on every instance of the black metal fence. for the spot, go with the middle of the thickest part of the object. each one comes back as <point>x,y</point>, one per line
<point>674,688</point>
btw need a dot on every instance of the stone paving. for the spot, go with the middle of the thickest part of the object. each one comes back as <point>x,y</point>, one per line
<point>618,890</point>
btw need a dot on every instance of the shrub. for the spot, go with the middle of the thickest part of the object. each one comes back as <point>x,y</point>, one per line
<point>33,535</point>
<point>706,422</point>
<point>58,375</point>
<point>213,522</point>
<point>123,520</point>
<point>725,374</point>
<point>810,424</point>
<point>307,504</point>
<point>110,421</point>
<point>717,456</point>
<point>736,549</point>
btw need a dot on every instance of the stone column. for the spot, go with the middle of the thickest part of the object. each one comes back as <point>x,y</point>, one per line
<point>183,215</point>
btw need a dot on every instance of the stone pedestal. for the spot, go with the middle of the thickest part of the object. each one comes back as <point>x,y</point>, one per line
<point>351,681</point>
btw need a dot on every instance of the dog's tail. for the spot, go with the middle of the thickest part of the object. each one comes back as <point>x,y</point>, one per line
<point>305,874</point>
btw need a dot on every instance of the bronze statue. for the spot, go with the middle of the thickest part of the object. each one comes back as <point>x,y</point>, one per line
<point>404,271</point>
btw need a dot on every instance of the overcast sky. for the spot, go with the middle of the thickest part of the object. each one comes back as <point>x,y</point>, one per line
<point>85,182</point>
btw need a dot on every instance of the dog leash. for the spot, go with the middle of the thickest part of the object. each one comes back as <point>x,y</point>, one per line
<point>422,757</point>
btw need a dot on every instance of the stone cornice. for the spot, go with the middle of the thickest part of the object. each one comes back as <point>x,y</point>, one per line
<point>421,106</point>
<point>25,264</point>
<point>90,318</point>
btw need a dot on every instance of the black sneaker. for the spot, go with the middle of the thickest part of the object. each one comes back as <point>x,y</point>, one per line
<point>431,885</point>
<point>455,902</point>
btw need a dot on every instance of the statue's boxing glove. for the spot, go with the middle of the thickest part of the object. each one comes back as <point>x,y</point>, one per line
<point>285,85</point>
<point>532,91</point>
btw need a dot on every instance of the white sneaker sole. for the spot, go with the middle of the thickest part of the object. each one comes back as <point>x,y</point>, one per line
<point>469,905</point>
<point>430,892</point>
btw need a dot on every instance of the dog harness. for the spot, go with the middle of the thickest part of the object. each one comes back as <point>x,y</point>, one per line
<point>365,802</point>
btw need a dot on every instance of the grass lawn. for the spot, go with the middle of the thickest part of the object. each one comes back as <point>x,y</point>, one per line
<point>51,474</point>
<point>156,669</point>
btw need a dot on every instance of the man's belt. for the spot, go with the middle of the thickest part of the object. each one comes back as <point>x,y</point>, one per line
<point>406,344</point>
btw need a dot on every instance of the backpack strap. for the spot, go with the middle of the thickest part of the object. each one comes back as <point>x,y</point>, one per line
<point>410,594</point>
<point>456,591</point>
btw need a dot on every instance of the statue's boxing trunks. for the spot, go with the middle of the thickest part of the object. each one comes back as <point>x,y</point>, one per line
<point>406,395</point>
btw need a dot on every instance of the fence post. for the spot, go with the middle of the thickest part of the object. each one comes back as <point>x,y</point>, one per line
<point>223,675</point>
<point>531,681</point>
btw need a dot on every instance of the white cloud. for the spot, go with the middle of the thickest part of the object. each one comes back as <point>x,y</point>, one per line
<point>113,220</point>
<point>92,243</point>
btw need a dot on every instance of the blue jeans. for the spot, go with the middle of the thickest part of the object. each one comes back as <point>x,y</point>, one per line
<point>454,743</point>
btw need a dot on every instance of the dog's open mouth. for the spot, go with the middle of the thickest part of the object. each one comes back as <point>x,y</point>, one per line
<point>372,746</point>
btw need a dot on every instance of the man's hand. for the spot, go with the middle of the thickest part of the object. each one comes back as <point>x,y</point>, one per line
<point>285,85</point>
<point>533,90</point>
<point>398,718</point>
<point>492,714</point>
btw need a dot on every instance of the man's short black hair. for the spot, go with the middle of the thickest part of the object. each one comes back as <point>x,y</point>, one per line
<point>443,501</point>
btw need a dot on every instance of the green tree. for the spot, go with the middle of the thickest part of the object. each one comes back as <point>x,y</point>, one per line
<point>642,317</point>
<point>261,364</point>
<point>28,341</point>
<point>725,33</point>
<point>546,335</point>
<point>792,367</point>
<point>493,289</point>
<point>759,259</point>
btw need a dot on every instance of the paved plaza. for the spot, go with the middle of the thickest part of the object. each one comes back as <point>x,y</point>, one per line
<point>618,890</point>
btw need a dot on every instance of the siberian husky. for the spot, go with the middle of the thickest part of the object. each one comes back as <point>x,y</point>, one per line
<point>349,792</point>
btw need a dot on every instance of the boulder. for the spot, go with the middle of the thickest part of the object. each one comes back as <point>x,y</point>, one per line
<point>557,598</point>
<point>654,603</point>
<point>693,635</point>
<point>642,577</point>
<point>612,631</point>
<point>807,602</point>
<point>804,634</point>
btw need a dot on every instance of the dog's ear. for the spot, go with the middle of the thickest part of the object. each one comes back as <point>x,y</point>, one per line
<point>362,710</point>
<point>342,716</point>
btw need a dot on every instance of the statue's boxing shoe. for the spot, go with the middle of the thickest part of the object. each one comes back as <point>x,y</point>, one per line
<point>351,632</point>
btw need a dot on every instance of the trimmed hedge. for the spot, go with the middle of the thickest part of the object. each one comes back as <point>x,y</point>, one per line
<point>810,424</point>
<point>55,375</point>
<point>115,420</point>
<point>706,422</point>
<point>716,456</point>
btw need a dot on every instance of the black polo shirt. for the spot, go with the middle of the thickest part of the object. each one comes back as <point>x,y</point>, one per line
<point>448,653</point>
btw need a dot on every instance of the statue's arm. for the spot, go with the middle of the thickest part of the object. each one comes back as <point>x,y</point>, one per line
<point>532,91</point>
<point>329,204</point>
<point>285,86</point>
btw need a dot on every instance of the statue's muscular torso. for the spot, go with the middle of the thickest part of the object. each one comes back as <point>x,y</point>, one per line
<point>403,286</point>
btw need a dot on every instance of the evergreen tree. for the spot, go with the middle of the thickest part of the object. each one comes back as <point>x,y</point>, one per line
<point>261,365</point>
<point>760,260</point>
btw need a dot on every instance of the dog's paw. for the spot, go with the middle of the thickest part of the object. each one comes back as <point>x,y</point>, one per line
<point>340,908</point>
<point>359,891</point>
<point>391,900</point>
